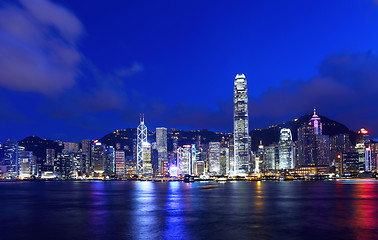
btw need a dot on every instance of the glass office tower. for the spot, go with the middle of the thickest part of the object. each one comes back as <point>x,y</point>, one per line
<point>241,132</point>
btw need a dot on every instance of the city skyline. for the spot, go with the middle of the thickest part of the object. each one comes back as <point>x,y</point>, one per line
<point>188,119</point>
<point>67,73</point>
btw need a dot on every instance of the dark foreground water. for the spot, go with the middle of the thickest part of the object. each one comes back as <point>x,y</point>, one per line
<point>176,210</point>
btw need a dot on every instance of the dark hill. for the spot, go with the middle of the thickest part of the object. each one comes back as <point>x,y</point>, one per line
<point>271,134</point>
<point>39,146</point>
<point>124,137</point>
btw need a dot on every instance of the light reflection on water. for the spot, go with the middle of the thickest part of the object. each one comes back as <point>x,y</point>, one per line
<point>174,210</point>
<point>177,210</point>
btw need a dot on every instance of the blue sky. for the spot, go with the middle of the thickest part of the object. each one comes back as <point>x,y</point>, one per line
<point>80,69</point>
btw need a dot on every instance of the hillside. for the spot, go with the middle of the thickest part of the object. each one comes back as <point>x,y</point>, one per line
<point>39,146</point>
<point>271,134</point>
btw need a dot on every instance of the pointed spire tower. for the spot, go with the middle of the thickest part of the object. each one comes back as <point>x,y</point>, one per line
<point>316,122</point>
<point>141,139</point>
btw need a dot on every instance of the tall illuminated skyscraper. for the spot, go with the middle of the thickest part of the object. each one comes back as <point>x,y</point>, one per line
<point>97,156</point>
<point>120,163</point>
<point>11,157</point>
<point>141,138</point>
<point>364,149</point>
<point>161,145</point>
<point>285,149</point>
<point>146,153</point>
<point>241,132</point>
<point>214,157</point>
<point>186,157</point>
<point>316,123</point>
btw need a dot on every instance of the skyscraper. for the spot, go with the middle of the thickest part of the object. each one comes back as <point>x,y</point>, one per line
<point>161,145</point>
<point>364,149</point>
<point>98,157</point>
<point>224,160</point>
<point>141,138</point>
<point>146,154</point>
<point>50,155</point>
<point>271,153</point>
<point>306,145</point>
<point>11,157</point>
<point>313,147</point>
<point>120,163</point>
<point>241,133</point>
<point>285,149</point>
<point>109,160</point>
<point>186,156</point>
<point>316,123</point>
<point>214,157</point>
<point>85,149</point>
<point>25,159</point>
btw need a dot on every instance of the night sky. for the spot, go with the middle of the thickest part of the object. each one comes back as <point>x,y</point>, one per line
<point>73,69</point>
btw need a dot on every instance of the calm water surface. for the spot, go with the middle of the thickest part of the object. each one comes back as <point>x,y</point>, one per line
<point>177,210</point>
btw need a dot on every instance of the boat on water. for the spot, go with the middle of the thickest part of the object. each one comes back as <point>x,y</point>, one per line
<point>221,179</point>
<point>208,186</point>
<point>188,178</point>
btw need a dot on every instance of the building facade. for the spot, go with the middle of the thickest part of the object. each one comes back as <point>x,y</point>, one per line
<point>141,139</point>
<point>241,128</point>
<point>214,158</point>
<point>161,146</point>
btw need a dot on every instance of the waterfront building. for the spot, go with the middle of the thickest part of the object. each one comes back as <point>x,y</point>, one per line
<point>338,144</point>
<point>130,166</point>
<point>368,162</point>
<point>271,156</point>
<point>120,163</point>
<point>241,132</point>
<point>146,156</point>
<point>109,160</point>
<point>364,150</point>
<point>374,155</point>
<point>25,159</point>
<point>11,157</point>
<point>360,149</point>
<point>63,164</point>
<point>224,160</point>
<point>257,164</point>
<point>141,139</point>
<point>313,147</point>
<point>230,165</point>
<point>85,150</point>
<point>260,155</point>
<point>165,168</point>
<point>161,145</point>
<point>98,157</point>
<point>322,150</point>
<point>155,159</point>
<point>77,163</point>
<point>183,160</point>
<point>285,149</point>
<point>350,162</point>
<point>186,156</point>
<point>199,168</point>
<point>214,158</point>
